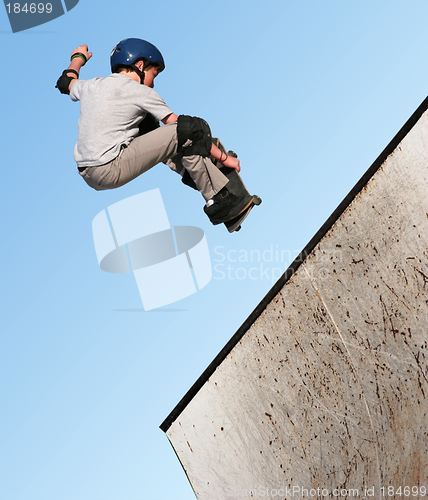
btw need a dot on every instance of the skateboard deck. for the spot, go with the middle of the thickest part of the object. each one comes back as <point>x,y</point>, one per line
<point>235,186</point>
<point>234,224</point>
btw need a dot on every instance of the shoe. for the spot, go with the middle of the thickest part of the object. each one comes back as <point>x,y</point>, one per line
<point>227,206</point>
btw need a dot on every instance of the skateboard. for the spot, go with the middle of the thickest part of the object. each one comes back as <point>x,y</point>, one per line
<point>236,184</point>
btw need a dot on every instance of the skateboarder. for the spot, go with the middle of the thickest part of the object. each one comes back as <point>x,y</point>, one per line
<point>119,137</point>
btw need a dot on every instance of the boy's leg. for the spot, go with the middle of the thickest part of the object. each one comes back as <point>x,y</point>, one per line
<point>195,145</point>
<point>143,153</point>
<point>208,178</point>
<point>148,150</point>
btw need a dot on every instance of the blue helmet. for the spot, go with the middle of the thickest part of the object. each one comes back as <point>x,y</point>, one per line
<point>131,50</point>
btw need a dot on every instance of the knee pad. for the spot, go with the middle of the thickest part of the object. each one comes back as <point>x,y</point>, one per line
<point>198,131</point>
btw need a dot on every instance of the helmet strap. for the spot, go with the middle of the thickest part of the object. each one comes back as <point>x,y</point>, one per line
<point>139,73</point>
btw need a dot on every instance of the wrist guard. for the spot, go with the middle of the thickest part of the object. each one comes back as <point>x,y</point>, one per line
<point>82,56</point>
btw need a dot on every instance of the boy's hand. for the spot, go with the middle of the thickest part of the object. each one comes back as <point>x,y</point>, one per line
<point>77,63</point>
<point>83,49</point>
<point>232,162</point>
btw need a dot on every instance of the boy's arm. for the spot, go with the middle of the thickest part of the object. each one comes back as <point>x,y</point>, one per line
<point>227,161</point>
<point>71,74</point>
<point>172,118</point>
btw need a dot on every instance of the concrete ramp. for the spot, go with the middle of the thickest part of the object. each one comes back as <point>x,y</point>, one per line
<point>323,391</point>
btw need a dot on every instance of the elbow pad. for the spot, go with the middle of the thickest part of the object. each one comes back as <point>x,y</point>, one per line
<point>64,80</point>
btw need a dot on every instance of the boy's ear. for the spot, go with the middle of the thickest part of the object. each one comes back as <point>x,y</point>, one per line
<point>140,65</point>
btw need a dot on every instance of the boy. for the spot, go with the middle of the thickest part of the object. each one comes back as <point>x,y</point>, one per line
<point>110,149</point>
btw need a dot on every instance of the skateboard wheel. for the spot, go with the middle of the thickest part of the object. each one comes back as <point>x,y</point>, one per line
<point>257,200</point>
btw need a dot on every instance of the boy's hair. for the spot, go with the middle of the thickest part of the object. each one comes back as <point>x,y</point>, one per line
<point>118,69</point>
<point>129,69</point>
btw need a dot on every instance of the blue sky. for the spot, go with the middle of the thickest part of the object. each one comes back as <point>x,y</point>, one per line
<point>308,93</point>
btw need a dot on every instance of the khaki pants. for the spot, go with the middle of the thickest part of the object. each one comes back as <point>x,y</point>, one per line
<point>146,151</point>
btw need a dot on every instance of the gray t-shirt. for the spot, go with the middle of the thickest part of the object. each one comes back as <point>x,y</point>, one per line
<point>111,109</point>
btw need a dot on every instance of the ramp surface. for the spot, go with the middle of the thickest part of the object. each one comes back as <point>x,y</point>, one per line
<point>323,392</point>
